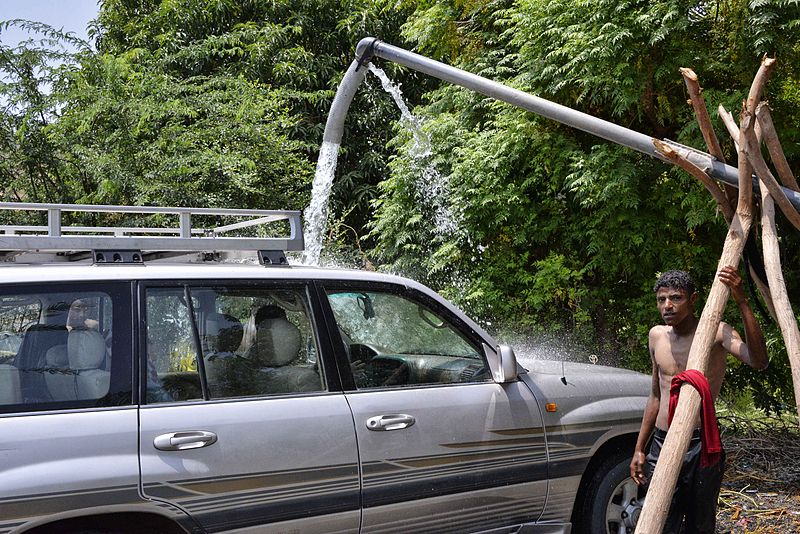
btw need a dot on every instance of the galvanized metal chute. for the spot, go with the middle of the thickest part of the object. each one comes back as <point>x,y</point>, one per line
<point>371,47</point>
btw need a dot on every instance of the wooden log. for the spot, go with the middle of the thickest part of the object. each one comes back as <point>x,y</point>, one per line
<point>707,129</point>
<point>665,475</point>
<point>701,113</point>
<point>764,118</point>
<point>783,307</point>
<point>772,255</point>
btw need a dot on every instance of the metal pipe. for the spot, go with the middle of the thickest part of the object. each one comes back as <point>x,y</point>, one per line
<point>334,126</point>
<point>370,46</point>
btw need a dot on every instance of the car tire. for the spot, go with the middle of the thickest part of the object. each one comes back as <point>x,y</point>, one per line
<point>611,501</point>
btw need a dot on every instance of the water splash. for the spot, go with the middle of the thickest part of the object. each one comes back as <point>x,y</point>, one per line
<point>433,188</point>
<point>422,143</point>
<point>530,347</point>
<point>316,215</point>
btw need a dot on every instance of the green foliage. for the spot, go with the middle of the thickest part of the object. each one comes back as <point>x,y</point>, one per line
<point>30,160</point>
<point>295,52</point>
<point>527,224</point>
<point>558,228</point>
<point>156,138</point>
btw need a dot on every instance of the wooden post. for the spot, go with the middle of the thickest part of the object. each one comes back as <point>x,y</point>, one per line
<point>663,480</point>
<point>783,308</point>
<point>772,255</point>
<point>665,476</point>
<point>706,128</point>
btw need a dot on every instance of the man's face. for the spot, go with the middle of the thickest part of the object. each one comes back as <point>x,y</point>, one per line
<point>78,313</point>
<point>674,304</point>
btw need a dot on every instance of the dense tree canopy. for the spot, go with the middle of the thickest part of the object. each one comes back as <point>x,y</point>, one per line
<point>558,229</point>
<point>529,225</point>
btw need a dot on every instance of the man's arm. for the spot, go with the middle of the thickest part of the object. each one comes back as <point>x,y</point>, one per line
<point>752,351</point>
<point>648,421</point>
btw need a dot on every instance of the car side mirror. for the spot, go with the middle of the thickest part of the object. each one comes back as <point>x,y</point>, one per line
<point>502,363</point>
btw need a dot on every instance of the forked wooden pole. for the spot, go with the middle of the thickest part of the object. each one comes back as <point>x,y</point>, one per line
<point>714,148</point>
<point>663,480</point>
<point>665,475</point>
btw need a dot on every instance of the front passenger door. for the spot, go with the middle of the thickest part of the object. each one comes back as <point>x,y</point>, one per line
<point>442,447</point>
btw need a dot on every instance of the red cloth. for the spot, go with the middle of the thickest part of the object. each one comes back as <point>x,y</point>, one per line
<point>711,444</point>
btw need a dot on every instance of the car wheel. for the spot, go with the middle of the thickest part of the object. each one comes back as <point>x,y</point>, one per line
<point>612,501</point>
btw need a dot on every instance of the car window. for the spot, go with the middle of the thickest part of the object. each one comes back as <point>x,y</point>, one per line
<point>253,342</point>
<point>392,340</point>
<point>57,350</point>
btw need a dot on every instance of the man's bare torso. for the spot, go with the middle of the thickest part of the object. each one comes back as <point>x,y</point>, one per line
<point>670,353</point>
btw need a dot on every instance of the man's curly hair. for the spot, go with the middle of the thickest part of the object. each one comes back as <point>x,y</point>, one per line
<point>675,279</point>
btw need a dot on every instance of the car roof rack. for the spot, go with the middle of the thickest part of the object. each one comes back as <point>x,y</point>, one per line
<point>133,244</point>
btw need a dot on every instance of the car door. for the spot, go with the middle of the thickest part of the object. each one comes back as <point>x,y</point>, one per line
<point>243,425</point>
<point>442,447</point>
<point>67,418</point>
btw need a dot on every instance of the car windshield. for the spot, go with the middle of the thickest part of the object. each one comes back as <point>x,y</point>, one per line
<point>393,324</point>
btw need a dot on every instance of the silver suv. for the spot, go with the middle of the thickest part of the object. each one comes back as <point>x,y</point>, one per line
<point>147,386</point>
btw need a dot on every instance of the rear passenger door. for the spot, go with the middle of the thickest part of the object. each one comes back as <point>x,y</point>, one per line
<point>244,423</point>
<point>67,418</point>
<point>443,448</point>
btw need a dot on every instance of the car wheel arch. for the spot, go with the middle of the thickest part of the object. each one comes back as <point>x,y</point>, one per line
<point>616,446</point>
<point>123,523</point>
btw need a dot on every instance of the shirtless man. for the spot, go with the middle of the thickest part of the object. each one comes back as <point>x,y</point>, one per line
<point>698,488</point>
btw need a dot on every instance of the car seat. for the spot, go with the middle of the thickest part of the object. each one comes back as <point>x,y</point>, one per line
<point>76,370</point>
<point>277,345</point>
<point>86,353</point>
<point>10,392</point>
<point>32,362</point>
<point>223,336</point>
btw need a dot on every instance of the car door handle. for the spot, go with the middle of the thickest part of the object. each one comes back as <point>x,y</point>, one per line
<point>394,421</point>
<point>181,441</point>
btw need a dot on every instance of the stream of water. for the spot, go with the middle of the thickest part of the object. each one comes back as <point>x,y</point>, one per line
<point>434,194</point>
<point>433,189</point>
<point>316,214</point>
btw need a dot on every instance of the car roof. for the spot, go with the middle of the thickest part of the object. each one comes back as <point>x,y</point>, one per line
<point>78,271</point>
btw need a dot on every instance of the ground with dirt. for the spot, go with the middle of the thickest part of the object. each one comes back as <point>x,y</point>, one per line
<point>761,490</point>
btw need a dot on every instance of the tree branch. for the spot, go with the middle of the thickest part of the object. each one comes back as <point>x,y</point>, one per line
<point>751,148</point>
<point>730,125</point>
<point>701,113</point>
<point>784,314</point>
<point>697,172</point>
<point>764,117</point>
<point>707,129</point>
<point>759,83</point>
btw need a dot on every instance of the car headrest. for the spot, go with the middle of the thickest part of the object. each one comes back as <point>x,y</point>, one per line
<point>277,342</point>
<point>270,311</point>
